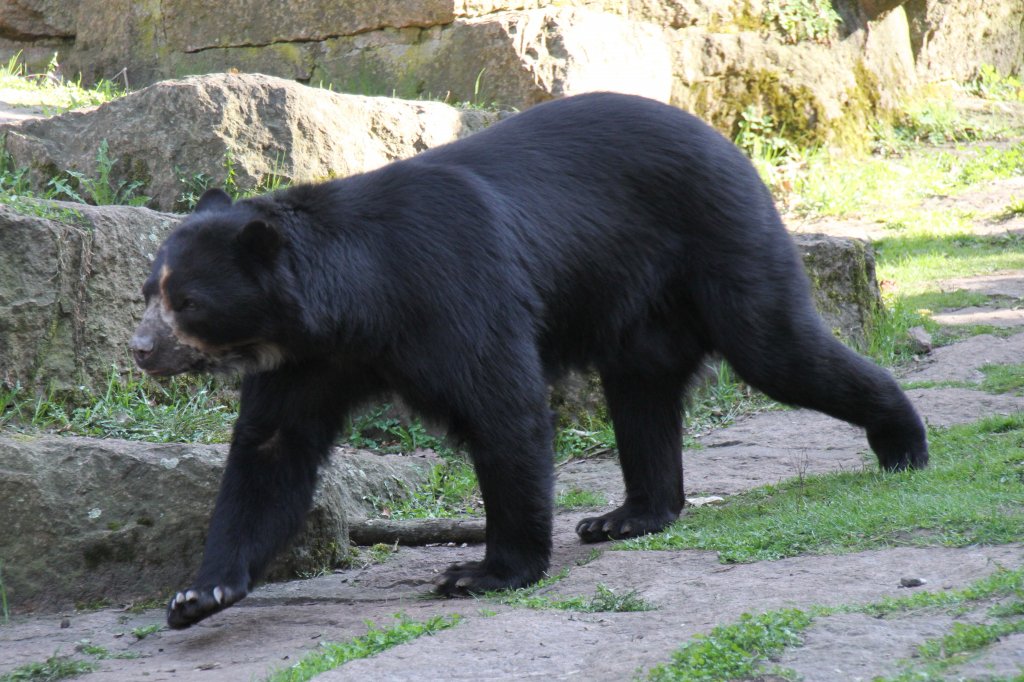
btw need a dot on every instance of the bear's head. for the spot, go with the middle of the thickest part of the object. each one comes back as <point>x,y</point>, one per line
<point>210,299</point>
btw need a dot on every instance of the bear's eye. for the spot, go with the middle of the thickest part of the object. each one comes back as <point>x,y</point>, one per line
<point>186,303</point>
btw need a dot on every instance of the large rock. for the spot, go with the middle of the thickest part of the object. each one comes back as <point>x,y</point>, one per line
<point>70,289</point>
<point>87,520</point>
<point>508,58</point>
<point>253,128</point>
<point>842,274</point>
<point>817,93</point>
<point>952,39</point>
<point>31,20</point>
<point>712,56</point>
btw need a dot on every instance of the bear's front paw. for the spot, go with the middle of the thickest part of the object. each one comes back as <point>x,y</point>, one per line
<point>191,606</point>
<point>473,577</point>
<point>621,524</point>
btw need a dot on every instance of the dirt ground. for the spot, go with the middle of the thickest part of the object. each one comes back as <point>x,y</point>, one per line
<point>691,590</point>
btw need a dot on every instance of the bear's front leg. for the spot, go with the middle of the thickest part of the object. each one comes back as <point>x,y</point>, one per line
<point>265,494</point>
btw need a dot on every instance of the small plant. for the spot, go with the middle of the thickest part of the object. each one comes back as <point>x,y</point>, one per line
<point>101,190</point>
<point>732,652</point>
<point>1014,209</point>
<point>991,84</point>
<point>54,668</point>
<point>595,438</point>
<point>331,655</point>
<point>933,122</point>
<point>195,185</point>
<point>719,400</point>
<point>102,653</point>
<point>379,429</point>
<point>800,20</point>
<point>451,489</point>
<point>144,631</point>
<point>272,181</point>
<point>381,552</point>
<point>5,613</point>
<point>578,499</point>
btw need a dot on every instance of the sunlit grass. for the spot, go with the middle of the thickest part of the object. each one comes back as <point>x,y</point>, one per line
<point>971,493</point>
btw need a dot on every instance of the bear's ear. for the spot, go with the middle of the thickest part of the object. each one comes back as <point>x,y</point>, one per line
<point>260,239</point>
<point>213,200</point>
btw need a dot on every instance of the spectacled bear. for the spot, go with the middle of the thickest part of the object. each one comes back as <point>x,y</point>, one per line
<point>603,230</point>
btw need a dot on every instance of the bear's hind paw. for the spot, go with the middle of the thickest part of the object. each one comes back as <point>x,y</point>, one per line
<point>473,578</point>
<point>621,524</point>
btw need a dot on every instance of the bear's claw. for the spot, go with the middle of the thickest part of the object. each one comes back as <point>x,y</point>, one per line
<point>622,523</point>
<point>193,605</point>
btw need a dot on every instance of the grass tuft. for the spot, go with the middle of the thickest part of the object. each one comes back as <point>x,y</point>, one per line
<point>131,407</point>
<point>732,652</point>
<point>331,655</point>
<point>52,669</point>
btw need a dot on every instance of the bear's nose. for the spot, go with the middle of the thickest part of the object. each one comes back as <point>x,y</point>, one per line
<point>141,346</point>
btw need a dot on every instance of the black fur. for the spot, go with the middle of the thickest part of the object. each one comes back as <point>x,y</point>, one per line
<point>602,231</point>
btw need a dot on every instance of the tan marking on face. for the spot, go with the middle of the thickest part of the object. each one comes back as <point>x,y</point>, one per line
<point>165,272</point>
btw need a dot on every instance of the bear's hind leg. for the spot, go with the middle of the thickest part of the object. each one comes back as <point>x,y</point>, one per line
<point>646,411</point>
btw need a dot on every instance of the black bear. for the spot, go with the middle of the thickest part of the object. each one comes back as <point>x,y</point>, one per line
<point>602,230</point>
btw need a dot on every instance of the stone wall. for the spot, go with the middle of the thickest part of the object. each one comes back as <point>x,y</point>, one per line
<point>711,56</point>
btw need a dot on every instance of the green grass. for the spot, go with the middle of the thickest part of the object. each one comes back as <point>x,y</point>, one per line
<point>933,122</point>
<point>800,20</point>
<point>49,90</point>
<point>1003,378</point>
<point>888,340</point>
<point>739,650</point>
<point>604,599</point>
<point>991,84</point>
<point>719,401</point>
<point>451,490</point>
<point>971,494</point>
<point>53,668</point>
<point>917,261</point>
<point>144,631</point>
<point>131,407</point>
<point>885,188</point>
<point>5,612</point>
<point>579,441</point>
<point>999,584</point>
<point>945,300</point>
<point>379,429</point>
<point>735,651</point>
<point>331,655</point>
<point>102,653</point>
<point>576,498</point>
<point>101,190</point>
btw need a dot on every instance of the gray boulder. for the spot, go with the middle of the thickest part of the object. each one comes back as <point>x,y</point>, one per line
<point>88,520</point>
<point>246,130</point>
<point>70,289</point>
